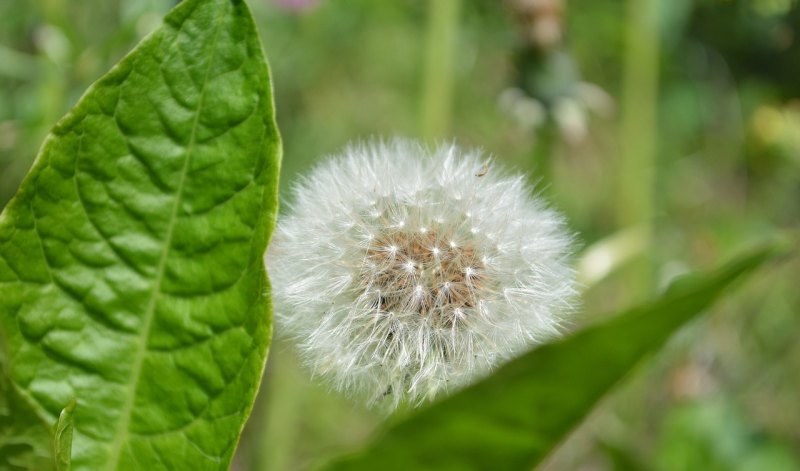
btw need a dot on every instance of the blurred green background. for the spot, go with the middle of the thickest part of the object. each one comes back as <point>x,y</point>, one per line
<point>668,131</point>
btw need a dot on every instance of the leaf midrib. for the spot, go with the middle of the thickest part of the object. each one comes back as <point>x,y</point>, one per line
<point>125,418</point>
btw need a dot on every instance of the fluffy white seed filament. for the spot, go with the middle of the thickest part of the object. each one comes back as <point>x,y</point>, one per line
<point>402,273</point>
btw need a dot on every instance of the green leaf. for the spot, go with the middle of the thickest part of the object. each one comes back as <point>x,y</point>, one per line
<point>62,437</point>
<point>24,436</point>
<point>131,272</point>
<point>514,418</point>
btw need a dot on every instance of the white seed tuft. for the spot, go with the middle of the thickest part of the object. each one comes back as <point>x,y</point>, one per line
<point>402,274</point>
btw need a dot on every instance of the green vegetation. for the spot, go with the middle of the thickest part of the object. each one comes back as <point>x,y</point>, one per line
<point>133,318</point>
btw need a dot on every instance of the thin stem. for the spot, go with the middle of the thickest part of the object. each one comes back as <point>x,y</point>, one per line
<point>279,417</point>
<point>439,62</point>
<point>639,134</point>
<point>543,154</point>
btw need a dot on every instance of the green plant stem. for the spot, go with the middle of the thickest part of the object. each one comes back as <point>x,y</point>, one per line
<point>53,77</point>
<point>544,148</point>
<point>439,62</point>
<point>639,135</point>
<point>278,431</point>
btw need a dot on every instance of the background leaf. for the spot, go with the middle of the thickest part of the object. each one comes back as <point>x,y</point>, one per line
<point>62,437</point>
<point>131,273</point>
<point>516,417</point>
<point>24,436</point>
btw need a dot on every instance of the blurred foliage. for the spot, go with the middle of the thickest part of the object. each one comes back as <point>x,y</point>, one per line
<point>727,173</point>
<point>713,435</point>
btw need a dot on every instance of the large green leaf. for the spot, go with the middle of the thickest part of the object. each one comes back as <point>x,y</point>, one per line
<point>514,418</point>
<point>131,273</point>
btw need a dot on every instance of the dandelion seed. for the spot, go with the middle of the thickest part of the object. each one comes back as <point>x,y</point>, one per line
<point>428,301</point>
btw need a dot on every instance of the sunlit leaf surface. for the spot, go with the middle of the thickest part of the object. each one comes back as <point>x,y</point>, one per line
<point>131,274</point>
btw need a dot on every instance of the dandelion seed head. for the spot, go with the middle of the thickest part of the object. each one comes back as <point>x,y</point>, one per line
<point>441,271</point>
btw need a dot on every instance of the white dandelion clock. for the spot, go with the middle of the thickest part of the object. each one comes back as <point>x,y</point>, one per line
<point>404,273</point>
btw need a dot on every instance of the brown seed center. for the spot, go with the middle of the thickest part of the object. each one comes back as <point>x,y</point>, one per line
<point>423,271</point>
